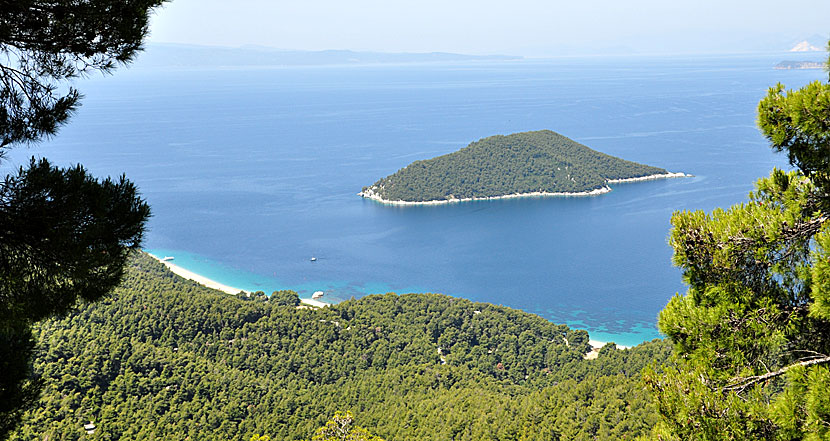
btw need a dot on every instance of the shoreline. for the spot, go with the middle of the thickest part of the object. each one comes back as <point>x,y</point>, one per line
<point>370,194</point>
<point>210,283</point>
<point>667,175</point>
<point>596,345</point>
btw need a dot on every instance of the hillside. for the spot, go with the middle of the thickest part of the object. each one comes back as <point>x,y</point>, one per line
<point>541,162</point>
<point>165,358</point>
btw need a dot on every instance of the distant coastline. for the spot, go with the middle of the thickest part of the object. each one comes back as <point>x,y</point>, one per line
<point>210,283</point>
<point>799,65</point>
<point>369,194</point>
<point>187,56</point>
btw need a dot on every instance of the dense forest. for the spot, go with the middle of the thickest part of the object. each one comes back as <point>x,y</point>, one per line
<point>166,358</point>
<point>528,162</point>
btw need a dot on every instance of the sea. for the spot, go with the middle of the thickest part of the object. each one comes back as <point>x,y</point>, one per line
<point>252,171</point>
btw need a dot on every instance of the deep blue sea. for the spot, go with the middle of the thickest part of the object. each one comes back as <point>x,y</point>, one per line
<point>251,172</point>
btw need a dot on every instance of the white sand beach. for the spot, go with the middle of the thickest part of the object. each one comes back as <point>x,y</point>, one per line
<point>202,280</point>
<point>596,345</point>
<point>315,303</point>
<point>600,344</point>
<point>370,193</point>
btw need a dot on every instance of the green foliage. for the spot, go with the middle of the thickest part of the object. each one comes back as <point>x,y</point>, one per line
<point>796,122</point>
<point>542,161</point>
<point>756,305</point>
<point>45,43</point>
<point>166,358</point>
<point>282,298</point>
<point>752,335</point>
<point>65,237</point>
<point>72,243</point>
<point>340,428</point>
<point>63,234</point>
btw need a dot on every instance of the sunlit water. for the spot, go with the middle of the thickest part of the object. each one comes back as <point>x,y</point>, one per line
<point>251,172</point>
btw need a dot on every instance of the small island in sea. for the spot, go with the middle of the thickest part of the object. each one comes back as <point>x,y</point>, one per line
<point>539,163</point>
<point>789,64</point>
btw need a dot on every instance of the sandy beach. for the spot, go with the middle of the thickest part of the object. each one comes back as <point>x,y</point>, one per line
<point>370,193</point>
<point>599,344</point>
<point>202,280</point>
<point>596,345</point>
<point>315,303</point>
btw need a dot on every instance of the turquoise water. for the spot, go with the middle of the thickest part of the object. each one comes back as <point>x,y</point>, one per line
<point>250,173</point>
<point>251,281</point>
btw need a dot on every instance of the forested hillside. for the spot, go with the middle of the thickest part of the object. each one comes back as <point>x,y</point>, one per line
<point>541,161</point>
<point>165,358</point>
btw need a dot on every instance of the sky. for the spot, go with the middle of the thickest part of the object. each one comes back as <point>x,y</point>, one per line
<point>514,27</point>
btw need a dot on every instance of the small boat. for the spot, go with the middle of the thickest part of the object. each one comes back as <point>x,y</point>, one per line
<point>317,295</point>
<point>313,259</point>
<point>167,258</point>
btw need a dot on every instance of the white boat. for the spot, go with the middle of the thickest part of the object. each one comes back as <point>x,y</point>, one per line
<point>317,295</point>
<point>167,258</point>
<point>313,259</point>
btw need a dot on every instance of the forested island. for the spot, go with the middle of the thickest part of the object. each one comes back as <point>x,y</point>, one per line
<point>166,358</point>
<point>540,163</point>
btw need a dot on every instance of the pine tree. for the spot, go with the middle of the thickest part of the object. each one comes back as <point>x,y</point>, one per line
<point>64,235</point>
<point>752,334</point>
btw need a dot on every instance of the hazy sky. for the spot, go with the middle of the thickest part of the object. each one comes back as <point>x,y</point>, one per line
<point>521,27</point>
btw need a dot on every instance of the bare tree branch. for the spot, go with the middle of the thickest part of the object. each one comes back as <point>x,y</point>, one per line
<point>743,383</point>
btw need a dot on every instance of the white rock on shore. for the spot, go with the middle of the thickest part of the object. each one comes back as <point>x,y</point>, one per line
<point>668,175</point>
<point>369,193</point>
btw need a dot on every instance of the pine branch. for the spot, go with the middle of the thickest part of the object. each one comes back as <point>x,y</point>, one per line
<point>741,385</point>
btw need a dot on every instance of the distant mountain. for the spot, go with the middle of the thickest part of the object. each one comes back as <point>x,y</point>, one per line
<point>174,55</point>
<point>521,164</point>
<point>807,46</point>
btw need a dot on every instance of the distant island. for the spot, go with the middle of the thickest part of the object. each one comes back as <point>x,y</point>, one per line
<point>788,64</point>
<point>162,55</point>
<point>540,163</point>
